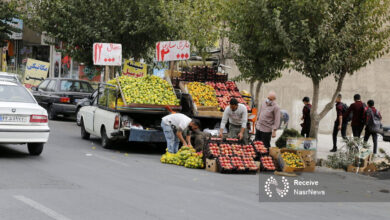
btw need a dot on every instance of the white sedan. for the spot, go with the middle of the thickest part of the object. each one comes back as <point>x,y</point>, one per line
<point>22,120</point>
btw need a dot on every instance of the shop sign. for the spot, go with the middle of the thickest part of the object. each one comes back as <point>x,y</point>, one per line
<point>107,54</point>
<point>135,69</point>
<point>36,70</point>
<point>172,50</point>
<point>16,23</point>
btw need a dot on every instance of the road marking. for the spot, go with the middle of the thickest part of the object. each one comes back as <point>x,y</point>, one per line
<point>110,160</point>
<point>45,210</point>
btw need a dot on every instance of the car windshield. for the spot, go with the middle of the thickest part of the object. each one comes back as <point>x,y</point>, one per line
<point>13,93</point>
<point>75,86</point>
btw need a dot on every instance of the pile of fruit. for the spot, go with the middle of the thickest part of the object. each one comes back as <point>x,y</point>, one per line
<point>267,163</point>
<point>292,160</point>
<point>238,163</point>
<point>146,90</point>
<point>237,150</point>
<point>226,149</point>
<point>249,163</point>
<point>249,151</point>
<point>214,150</point>
<point>225,163</point>
<point>186,156</point>
<point>202,94</point>
<point>260,148</point>
<point>226,91</point>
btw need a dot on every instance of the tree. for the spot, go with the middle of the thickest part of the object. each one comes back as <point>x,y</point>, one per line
<point>198,21</point>
<point>259,53</point>
<point>330,38</point>
<point>135,24</point>
<point>8,12</point>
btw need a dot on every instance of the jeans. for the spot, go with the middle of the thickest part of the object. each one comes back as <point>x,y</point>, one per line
<point>374,135</point>
<point>336,131</point>
<point>357,130</point>
<point>265,137</point>
<point>234,130</point>
<point>172,140</point>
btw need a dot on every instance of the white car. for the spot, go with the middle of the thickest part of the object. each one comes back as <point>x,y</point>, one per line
<point>9,77</point>
<point>22,120</point>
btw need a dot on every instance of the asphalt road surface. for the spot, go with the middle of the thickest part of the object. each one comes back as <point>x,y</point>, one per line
<point>78,179</point>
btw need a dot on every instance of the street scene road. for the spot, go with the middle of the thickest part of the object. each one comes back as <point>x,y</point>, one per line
<point>78,179</point>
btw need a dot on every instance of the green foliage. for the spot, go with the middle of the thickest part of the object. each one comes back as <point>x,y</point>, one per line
<point>8,11</point>
<point>347,154</point>
<point>282,140</point>
<point>199,21</point>
<point>259,53</point>
<point>328,37</point>
<point>135,24</point>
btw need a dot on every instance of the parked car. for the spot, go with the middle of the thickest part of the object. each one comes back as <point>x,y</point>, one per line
<point>22,120</point>
<point>60,96</point>
<point>84,102</point>
<point>9,77</point>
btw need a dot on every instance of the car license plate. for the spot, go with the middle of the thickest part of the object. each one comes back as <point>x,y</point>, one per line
<point>13,118</point>
<point>76,100</point>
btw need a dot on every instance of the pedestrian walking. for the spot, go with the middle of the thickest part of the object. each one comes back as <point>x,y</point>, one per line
<point>357,110</point>
<point>237,115</point>
<point>373,124</point>
<point>306,117</point>
<point>268,120</point>
<point>173,126</point>
<point>340,123</point>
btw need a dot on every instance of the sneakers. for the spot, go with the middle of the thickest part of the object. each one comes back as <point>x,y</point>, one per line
<point>333,150</point>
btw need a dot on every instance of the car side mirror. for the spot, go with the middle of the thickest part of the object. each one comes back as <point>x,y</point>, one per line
<point>34,88</point>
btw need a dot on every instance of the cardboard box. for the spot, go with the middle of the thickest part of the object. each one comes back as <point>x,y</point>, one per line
<point>283,165</point>
<point>258,166</point>
<point>309,158</point>
<point>274,152</point>
<point>211,165</point>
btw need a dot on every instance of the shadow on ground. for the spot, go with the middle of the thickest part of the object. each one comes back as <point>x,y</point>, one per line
<point>14,151</point>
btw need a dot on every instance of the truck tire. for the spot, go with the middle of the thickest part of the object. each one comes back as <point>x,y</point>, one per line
<point>84,134</point>
<point>35,149</point>
<point>106,142</point>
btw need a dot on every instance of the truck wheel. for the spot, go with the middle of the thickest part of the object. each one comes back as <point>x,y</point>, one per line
<point>35,149</point>
<point>50,113</point>
<point>84,134</point>
<point>106,142</point>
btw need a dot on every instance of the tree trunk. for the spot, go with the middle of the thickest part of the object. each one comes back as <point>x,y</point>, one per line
<point>315,122</point>
<point>316,118</point>
<point>257,93</point>
<point>251,86</point>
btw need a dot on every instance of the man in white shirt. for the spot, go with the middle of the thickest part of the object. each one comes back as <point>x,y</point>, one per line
<point>173,126</point>
<point>237,114</point>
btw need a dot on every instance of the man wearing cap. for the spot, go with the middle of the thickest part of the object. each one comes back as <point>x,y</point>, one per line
<point>237,114</point>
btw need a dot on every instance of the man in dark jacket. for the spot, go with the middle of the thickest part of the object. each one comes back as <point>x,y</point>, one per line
<point>306,117</point>
<point>370,112</point>
<point>357,109</point>
<point>340,123</point>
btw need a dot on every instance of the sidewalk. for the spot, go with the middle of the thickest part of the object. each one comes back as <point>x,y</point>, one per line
<point>325,144</point>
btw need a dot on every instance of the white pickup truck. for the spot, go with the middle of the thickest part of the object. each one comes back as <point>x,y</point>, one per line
<point>112,123</point>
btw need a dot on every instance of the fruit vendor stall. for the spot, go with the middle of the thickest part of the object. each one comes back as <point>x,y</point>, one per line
<point>210,92</point>
<point>134,107</point>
